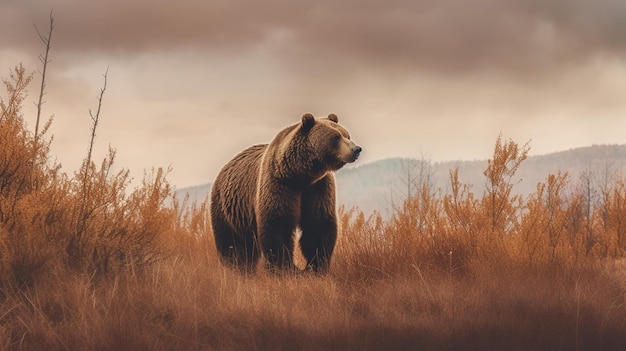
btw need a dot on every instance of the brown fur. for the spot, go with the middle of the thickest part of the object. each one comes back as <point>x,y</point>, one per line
<point>266,192</point>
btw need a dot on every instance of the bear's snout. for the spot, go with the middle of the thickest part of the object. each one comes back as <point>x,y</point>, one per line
<point>355,152</point>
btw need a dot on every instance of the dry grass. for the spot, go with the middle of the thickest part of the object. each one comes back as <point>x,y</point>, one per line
<point>87,264</point>
<point>180,305</point>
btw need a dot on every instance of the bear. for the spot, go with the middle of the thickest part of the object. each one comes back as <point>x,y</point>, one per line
<point>265,193</point>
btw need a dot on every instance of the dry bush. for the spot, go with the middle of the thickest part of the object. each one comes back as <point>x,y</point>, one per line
<point>90,222</point>
<point>29,194</point>
<point>114,231</point>
<point>448,231</point>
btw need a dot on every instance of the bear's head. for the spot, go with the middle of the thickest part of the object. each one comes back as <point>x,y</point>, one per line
<point>330,142</point>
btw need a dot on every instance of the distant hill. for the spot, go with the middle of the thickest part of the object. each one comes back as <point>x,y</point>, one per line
<point>383,185</point>
<point>196,193</point>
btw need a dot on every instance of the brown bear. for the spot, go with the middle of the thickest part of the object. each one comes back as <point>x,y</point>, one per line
<point>266,192</point>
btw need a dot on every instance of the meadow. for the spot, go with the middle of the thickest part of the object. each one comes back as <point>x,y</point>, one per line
<point>89,263</point>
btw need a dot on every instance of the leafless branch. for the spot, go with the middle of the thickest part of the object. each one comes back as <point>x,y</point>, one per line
<point>95,118</point>
<point>47,39</point>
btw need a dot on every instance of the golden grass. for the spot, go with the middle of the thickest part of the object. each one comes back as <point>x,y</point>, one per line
<point>182,306</point>
<point>87,264</point>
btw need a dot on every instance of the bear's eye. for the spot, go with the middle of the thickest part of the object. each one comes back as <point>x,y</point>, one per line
<point>337,138</point>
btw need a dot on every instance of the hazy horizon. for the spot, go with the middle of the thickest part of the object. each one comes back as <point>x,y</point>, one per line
<point>192,83</point>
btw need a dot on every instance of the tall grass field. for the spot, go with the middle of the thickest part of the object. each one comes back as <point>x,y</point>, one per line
<point>89,263</point>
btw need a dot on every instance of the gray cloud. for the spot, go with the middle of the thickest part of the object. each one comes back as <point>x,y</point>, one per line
<point>448,36</point>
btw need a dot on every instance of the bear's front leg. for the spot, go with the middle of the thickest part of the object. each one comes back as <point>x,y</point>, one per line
<point>318,243</point>
<point>319,224</point>
<point>277,214</point>
<point>276,236</point>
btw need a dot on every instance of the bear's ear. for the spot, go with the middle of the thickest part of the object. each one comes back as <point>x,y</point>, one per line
<point>307,122</point>
<point>333,117</point>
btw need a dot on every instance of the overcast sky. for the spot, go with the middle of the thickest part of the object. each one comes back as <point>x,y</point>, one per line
<point>192,82</point>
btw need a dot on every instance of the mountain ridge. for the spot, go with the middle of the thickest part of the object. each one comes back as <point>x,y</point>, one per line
<point>382,185</point>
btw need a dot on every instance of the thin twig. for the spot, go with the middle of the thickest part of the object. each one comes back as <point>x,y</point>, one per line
<point>44,60</point>
<point>84,214</point>
<point>96,117</point>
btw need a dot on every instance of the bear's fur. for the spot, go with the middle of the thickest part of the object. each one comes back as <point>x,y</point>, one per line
<point>265,193</point>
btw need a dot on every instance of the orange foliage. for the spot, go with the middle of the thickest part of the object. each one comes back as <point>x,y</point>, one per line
<point>449,231</point>
<point>89,223</point>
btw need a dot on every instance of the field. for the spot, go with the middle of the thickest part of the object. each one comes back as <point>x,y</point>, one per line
<point>89,264</point>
